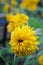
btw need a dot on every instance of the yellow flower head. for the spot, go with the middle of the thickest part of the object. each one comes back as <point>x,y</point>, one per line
<point>13,3</point>
<point>29,4</point>
<point>25,3</point>
<point>21,18</point>
<point>16,20</point>
<point>6,8</point>
<point>24,18</point>
<point>35,1</point>
<point>10,27</point>
<point>8,17</point>
<point>32,7</point>
<point>23,41</point>
<point>40,59</point>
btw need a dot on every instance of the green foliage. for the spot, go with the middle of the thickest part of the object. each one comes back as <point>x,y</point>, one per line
<point>34,22</point>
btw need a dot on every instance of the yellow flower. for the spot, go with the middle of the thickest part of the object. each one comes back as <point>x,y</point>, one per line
<point>40,59</point>
<point>23,41</point>
<point>25,3</point>
<point>24,18</point>
<point>29,4</point>
<point>32,7</point>
<point>13,3</point>
<point>16,20</point>
<point>6,8</point>
<point>10,27</point>
<point>36,1</point>
<point>8,17</point>
<point>21,18</point>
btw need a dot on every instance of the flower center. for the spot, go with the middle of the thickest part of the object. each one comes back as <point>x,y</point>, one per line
<point>20,41</point>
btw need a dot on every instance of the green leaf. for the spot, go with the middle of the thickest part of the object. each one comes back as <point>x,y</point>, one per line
<point>3,51</point>
<point>4,60</point>
<point>34,23</point>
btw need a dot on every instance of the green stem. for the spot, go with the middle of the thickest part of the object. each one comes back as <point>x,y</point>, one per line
<point>34,58</point>
<point>15,60</point>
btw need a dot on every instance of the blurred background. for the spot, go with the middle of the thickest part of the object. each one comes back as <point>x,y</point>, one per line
<point>36,18</point>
